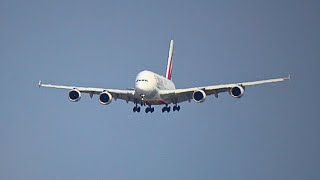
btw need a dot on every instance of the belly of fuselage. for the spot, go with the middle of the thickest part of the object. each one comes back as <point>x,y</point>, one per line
<point>155,102</point>
<point>154,99</point>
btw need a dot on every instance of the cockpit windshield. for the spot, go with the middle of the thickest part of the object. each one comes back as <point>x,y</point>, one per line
<point>144,80</point>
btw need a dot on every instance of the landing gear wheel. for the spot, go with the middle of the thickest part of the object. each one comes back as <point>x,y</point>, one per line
<point>149,109</point>
<point>176,108</point>
<point>166,108</point>
<point>136,109</point>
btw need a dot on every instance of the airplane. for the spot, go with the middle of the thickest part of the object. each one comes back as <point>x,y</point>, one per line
<point>153,89</point>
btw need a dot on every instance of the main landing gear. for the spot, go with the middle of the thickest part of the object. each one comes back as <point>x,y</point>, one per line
<point>174,108</point>
<point>166,108</point>
<point>136,108</point>
<point>149,109</point>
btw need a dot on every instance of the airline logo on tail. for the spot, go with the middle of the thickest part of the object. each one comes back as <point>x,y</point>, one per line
<point>169,66</point>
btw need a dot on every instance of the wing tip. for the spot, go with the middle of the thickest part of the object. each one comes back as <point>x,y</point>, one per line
<point>39,83</point>
<point>288,77</point>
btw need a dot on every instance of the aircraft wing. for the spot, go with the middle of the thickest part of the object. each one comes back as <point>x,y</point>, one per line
<point>127,95</point>
<point>181,95</point>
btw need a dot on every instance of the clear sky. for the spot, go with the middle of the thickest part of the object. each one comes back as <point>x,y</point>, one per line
<point>271,133</point>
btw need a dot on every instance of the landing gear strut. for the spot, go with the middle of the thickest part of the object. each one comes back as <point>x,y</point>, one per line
<point>136,108</point>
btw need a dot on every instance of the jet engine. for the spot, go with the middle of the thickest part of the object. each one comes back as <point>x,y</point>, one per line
<point>199,96</point>
<point>105,98</point>
<point>74,95</point>
<point>237,91</point>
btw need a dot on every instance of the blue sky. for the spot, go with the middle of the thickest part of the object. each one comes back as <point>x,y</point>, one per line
<point>270,133</point>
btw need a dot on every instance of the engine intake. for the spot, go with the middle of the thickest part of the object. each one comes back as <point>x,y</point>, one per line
<point>199,96</point>
<point>105,98</point>
<point>237,91</point>
<point>74,95</point>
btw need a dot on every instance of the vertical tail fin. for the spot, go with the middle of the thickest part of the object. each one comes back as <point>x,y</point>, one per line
<point>169,66</point>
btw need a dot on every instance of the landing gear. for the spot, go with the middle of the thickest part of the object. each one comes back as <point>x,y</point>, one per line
<point>166,108</point>
<point>176,108</point>
<point>136,109</point>
<point>149,109</point>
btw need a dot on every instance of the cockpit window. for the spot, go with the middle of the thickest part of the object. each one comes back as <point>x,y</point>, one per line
<point>142,80</point>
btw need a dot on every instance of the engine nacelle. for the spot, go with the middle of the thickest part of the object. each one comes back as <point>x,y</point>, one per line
<point>74,95</point>
<point>199,96</point>
<point>105,98</point>
<point>237,91</point>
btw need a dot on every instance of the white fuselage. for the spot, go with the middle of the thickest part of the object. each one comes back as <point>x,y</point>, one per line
<point>147,87</point>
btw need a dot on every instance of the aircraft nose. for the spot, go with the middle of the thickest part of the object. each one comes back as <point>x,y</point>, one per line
<point>143,88</point>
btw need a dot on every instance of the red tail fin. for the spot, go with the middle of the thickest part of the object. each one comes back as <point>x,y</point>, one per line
<point>169,66</point>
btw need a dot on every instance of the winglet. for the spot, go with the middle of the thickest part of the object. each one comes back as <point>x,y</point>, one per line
<point>288,78</point>
<point>39,84</point>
